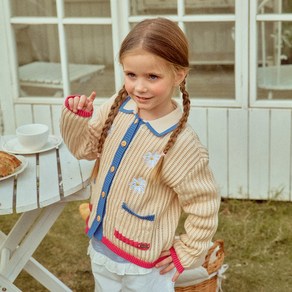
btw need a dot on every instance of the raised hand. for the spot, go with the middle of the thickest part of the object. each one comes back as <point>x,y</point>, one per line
<point>82,103</point>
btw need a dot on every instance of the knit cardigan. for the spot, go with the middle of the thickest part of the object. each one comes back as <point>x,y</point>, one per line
<point>133,217</point>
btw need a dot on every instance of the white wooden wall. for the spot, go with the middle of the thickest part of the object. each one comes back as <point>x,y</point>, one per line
<point>250,149</point>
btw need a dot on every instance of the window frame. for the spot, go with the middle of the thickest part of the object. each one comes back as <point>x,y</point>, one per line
<point>255,17</point>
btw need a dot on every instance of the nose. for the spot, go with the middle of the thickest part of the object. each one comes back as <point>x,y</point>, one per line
<point>140,86</point>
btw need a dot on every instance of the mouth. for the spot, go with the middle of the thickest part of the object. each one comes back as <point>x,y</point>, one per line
<point>142,98</point>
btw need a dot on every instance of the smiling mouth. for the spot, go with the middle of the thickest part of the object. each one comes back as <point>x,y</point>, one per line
<point>143,98</point>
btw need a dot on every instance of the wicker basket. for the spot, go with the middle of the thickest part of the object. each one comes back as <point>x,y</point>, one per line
<point>209,285</point>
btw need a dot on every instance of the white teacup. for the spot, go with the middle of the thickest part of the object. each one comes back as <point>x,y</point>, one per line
<point>33,136</point>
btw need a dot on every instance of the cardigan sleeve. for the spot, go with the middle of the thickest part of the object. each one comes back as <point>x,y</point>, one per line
<point>81,133</point>
<point>199,198</point>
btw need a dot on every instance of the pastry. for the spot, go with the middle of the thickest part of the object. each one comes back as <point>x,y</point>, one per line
<point>8,163</point>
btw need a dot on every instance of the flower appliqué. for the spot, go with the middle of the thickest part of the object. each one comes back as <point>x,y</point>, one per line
<point>138,185</point>
<point>151,159</point>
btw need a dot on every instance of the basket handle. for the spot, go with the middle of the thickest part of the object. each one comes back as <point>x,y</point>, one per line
<point>214,266</point>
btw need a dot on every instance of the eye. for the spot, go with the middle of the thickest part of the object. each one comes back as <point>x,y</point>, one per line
<point>130,75</point>
<point>153,77</point>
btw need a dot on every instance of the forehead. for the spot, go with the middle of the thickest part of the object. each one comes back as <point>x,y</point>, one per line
<point>142,59</point>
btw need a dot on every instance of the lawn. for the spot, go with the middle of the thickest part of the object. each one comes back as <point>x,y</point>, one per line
<point>257,236</point>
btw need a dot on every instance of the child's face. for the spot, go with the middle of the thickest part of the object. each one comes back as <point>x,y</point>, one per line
<point>150,81</point>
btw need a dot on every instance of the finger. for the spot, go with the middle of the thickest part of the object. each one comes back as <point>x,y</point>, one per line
<point>164,262</point>
<point>92,96</point>
<point>167,269</point>
<point>175,276</point>
<point>71,103</point>
<point>82,102</point>
<point>165,253</point>
<point>75,103</point>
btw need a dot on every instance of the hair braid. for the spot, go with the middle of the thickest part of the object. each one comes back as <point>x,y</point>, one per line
<point>122,94</point>
<point>173,137</point>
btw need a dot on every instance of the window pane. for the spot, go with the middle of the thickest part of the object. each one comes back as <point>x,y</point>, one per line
<point>157,7</point>
<point>33,8</point>
<point>274,60</point>
<point>38,59</point>
<point>88,8</point>
<point>210,7</point>
<point>90,46</point>
<point>274,6</point>
<point>212,59</point>
<point>153,7</point>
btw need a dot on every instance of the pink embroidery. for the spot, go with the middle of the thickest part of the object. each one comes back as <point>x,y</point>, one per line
<point>139,245</point>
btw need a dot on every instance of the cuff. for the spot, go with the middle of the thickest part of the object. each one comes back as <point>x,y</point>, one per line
<point>80,113</point>
<point>176,260</point>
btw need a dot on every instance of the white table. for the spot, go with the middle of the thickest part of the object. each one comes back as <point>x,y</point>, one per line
<point>46,74</point>
<point>275,78</point>
<point>40,193</point>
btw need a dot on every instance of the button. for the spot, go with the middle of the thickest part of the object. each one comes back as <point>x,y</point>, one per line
<point>124,143</point>
<point>136,121</point>
<point>98,218</point>
<point>112,169</point>
<point>103,194</point>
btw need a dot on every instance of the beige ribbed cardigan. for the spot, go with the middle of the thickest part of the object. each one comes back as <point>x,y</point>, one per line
<point>138,218</point>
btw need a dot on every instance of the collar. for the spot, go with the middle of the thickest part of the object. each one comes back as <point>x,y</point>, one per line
<point>158,127</point>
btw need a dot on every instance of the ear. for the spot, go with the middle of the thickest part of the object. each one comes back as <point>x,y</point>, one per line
<point>180,75</point>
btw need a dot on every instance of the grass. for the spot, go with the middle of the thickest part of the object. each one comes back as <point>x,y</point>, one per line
<point>257,236</point>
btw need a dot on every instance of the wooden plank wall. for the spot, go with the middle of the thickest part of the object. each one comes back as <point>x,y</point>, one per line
<point>250,150</point>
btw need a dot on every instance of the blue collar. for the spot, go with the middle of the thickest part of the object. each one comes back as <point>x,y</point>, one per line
<point>158,127</point>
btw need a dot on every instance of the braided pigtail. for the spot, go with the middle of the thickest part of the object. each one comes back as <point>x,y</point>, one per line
<point>156,173</point>
<point>122,94</point>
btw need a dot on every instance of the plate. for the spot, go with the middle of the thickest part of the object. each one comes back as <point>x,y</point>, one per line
<point>14,147</point>
<point>19,169</point>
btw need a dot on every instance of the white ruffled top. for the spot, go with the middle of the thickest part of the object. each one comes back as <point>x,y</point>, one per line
<point>103,256</point>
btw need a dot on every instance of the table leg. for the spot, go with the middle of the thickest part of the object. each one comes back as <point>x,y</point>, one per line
<point>36,270</point>
<point>22,254</point>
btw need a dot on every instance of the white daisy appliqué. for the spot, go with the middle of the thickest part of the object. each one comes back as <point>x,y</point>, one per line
<point>151,159</point>
<point>138,185</point>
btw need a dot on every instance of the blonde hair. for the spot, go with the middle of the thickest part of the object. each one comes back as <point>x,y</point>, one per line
<point>161,37</point>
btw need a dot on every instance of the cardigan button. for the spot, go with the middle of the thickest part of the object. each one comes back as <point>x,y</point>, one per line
<point>112,169</point>
<point>103,194</point>
<point>98,218</point>
<point>123,143</point>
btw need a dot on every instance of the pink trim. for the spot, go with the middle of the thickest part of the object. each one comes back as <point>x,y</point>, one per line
<point>130,258</point>
<point>176,260</point>
<point>139,245</point>
<point>80,113</point>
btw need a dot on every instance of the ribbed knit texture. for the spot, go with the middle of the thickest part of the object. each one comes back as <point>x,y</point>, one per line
<point>136,210</point>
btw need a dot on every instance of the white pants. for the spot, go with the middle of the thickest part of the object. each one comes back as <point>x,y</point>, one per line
<point>106,281</point>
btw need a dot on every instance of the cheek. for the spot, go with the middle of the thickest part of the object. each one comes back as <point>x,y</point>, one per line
<point>129,85</point>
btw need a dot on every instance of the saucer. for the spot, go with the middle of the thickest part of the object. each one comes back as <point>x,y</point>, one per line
<point>14,147</point>
<point>19,169</point>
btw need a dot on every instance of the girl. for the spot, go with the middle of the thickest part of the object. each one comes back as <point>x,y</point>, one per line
<point>150,165</point>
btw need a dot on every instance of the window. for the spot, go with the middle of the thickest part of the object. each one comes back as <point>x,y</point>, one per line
<point>272,22</point>
<point>63,47</point>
